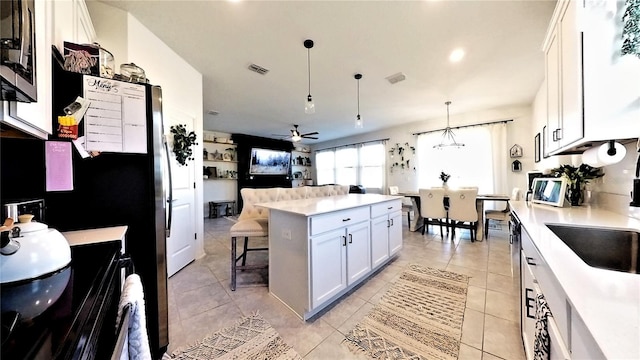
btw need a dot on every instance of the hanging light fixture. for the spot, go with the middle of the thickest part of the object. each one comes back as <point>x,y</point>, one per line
<point>448,139</point>
<point>309,106</point>
<point>358,117</point>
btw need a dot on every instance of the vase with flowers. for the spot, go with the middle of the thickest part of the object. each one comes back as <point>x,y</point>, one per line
<point>444,177</point>
<point>577,178</point>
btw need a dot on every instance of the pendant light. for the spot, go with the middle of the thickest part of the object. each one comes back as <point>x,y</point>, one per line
<point>309,106</point>
<point>448,139</point>
<point>358,124</point>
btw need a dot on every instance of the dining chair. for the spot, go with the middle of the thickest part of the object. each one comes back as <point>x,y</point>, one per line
<point>432,208</point>
<point>462,210</point>
<point>500,215</point>
<point>393,190</point>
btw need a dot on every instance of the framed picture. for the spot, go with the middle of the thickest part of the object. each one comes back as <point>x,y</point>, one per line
<point>536,146</point>
<point>516,151</point>
<point>545,154</point>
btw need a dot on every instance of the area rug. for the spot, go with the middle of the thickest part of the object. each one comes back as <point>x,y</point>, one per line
<point>252,338</point>
<point>419,317</point>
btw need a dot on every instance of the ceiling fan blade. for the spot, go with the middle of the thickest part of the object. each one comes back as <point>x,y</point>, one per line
<point>310,137</point>
<point>311,133</point>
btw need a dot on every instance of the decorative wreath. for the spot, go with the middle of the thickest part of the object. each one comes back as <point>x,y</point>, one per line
<point>182,142</point>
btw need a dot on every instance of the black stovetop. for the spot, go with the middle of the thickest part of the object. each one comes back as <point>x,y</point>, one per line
<point>31,329</point>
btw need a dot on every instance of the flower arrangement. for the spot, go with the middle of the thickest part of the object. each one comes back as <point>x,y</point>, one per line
<point>444,176</point>
<point>576,178</point>
<point>182,142</point>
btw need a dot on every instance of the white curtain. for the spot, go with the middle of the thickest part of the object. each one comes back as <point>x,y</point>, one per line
<point>481,162</point>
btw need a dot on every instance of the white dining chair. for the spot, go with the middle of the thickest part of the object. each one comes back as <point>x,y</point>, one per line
<point>393,190</point>
<point>432,208</point>
<point>462,210</point>
<point>500,215</point>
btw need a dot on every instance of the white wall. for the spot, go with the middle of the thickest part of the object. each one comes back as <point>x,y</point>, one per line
<point>130,41</point>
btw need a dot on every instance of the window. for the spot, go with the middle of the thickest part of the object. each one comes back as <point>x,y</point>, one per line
<point>478,163</point>
<point>361,164</point>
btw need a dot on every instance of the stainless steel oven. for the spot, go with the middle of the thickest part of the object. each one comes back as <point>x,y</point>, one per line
<point>17,50</point>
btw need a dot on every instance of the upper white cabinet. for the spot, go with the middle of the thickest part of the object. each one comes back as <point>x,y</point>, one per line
<point>35,118</point>
<point>563,62</point>
<point>592,91</point>
<point>56,22</point>
<point>72,23</point>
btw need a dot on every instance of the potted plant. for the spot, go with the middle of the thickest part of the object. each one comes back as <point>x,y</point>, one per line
<point>444,177</point>
<point>576,178</point>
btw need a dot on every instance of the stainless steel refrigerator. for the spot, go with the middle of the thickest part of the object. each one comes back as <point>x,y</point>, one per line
<point>121,188</point>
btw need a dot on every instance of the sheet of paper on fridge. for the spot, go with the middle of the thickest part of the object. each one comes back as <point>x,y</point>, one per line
<point>58,164</point>
<point>116,120</point>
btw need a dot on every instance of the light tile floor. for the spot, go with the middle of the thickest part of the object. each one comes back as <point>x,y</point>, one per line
<point>201,301</point>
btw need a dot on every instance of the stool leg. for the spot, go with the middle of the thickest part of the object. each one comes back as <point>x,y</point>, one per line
<point>210,210</point>
<point>244,253</point>
<point>233,263</point>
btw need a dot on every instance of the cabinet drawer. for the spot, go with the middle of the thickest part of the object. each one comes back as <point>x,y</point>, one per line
<point>385,208</point>
<point>338,219</point>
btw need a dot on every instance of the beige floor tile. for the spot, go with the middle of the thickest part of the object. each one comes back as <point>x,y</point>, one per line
<point>354,319</point>
<point>503,305</point>
<point>369,288</point>
<point>340,312</point>
<point>303,336</point>
<point>487,356</point>
<point>502,283</point>
<point>476,298</point>
<point>502,338</point>
<point>333,347</point>
<point>469,353</point>
<point>192,277</point>
<point>194,302</point>
<point>472,328</point>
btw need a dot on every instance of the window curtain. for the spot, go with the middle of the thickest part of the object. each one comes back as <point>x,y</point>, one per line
<point>481,162</point>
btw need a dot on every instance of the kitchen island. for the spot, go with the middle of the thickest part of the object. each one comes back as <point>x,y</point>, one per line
<point>597,310</point>
<point>320,248</point>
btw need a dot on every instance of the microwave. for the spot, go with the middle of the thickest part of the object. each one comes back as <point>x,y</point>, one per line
<point>17,50</point>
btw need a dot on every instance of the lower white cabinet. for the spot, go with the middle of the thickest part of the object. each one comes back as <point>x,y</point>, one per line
<point>386,237</point>
<point>339,258</point>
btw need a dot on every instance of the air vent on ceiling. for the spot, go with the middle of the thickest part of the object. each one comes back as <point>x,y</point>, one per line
<point>257,68</point>
<point>213,112</point>
<point>396,78</point>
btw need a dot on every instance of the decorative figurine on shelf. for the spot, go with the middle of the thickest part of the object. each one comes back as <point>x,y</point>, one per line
<point>444,177</point>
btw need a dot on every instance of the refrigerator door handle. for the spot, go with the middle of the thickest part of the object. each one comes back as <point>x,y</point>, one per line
<point>170,197</point>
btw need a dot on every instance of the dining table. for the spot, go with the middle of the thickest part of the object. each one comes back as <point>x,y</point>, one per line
<point>417,221</point>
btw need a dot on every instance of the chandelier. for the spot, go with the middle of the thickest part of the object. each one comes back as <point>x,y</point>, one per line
<point>448,138</point>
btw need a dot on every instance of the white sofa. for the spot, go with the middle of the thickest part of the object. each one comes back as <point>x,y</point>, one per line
<point>254,220</point>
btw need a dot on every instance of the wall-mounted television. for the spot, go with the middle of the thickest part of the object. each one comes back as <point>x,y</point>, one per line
<point>269,162</point>
<point>549,191</point>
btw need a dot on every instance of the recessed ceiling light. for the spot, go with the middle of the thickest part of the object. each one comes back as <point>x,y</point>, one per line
<point>456,55</point>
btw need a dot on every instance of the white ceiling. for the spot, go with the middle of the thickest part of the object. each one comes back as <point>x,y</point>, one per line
<point>504,63</point>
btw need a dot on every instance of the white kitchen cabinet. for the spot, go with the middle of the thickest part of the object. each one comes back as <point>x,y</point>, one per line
<point>386,233</point>
<point>72,23</point>
<point>339,259</point>
<point>592,91</point>
<point>35,118</point>
<point>582,344</point>
<point>320,248</point>
<point>563,60</point>
<point>536,278</point>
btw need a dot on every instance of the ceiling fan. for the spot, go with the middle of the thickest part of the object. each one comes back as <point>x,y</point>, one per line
<point>297,136</point>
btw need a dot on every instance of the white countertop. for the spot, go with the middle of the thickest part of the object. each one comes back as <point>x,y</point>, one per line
<point>92,236</point>
<point>326,204</point>
<point>607,301</point>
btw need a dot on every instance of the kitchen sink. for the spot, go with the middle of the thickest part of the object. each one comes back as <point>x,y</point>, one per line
<point>604,248</point>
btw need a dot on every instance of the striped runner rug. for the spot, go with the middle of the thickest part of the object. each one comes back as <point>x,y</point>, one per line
<point>419,317</point>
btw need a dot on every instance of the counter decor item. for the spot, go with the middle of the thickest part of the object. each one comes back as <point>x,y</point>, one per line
<point>182,142</point>
<point>444,177</point>
<point>577,178</point>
